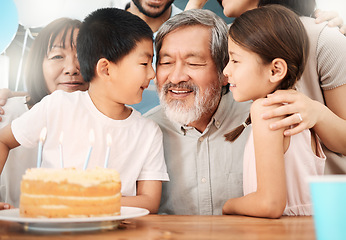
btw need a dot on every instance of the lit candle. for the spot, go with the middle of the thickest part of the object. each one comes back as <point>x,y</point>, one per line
<point>43,135</point>
<point>109,143</point>
<point>60,149</point>
<point>91,141</point>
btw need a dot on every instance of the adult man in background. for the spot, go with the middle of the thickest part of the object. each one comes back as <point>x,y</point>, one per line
<point>154,13</point>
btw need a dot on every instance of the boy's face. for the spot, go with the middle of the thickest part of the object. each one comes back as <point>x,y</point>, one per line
<point>132,74</point>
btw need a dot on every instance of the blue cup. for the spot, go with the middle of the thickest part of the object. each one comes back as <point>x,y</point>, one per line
<point>328,194</point>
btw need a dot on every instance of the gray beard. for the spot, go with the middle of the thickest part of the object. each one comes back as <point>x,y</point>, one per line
<point>177,111</point>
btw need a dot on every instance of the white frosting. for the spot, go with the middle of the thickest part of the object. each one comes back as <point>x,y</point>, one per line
<point>71,198</point>
<point>85,178</point>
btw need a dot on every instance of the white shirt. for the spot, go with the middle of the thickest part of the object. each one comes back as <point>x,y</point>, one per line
<point>136,150</point>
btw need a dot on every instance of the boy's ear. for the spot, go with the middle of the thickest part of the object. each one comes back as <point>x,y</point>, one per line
<point>102,67</point>
<point>278,70</point>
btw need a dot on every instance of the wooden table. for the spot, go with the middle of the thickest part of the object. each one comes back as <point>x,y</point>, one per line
<point>172,227</point>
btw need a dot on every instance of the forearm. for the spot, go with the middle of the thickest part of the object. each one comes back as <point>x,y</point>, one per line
<point>7,142</point>
<point>142,201</point>
<point>332,130</point>
<point>255,205</point>
<point>195,4</point>
<point>6,93</point>
<point>4,150</point>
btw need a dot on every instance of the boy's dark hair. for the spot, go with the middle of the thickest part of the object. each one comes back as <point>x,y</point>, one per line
<point>109,33</point>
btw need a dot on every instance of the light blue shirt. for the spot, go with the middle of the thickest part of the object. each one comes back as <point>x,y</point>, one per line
<point>205,170</point>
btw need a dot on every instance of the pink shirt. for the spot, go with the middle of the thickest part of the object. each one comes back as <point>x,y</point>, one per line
<point>300,162</point>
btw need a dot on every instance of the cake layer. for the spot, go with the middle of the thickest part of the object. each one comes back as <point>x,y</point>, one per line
<point>63,193</point>
<point>38,200</point>
<point>66,189</point>
<point>63,211</point>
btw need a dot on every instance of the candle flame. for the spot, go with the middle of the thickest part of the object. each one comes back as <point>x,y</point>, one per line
<point>91,136</point>
<point>109,140</point>
<point>61,137</point>
<point>43,134</point>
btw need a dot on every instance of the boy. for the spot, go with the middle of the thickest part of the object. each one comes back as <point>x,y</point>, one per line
<point>115,51</point>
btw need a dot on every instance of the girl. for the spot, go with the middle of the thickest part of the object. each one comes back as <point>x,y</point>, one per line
<point>268,49</point>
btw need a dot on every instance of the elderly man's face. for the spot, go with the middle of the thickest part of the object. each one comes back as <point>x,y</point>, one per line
<point>187,78</point>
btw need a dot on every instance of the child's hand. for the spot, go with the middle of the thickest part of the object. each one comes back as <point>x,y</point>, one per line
<point>5,206</point>
<point>333,18</point>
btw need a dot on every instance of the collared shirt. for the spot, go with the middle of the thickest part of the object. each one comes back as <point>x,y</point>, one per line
<point>205,170</point>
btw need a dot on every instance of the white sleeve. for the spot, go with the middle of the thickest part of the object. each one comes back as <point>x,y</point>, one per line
<point>155,167</point>
<point>26,129</point>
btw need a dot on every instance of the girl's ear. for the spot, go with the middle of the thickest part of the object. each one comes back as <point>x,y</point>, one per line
<point>102,68</point>
<point>278,70</point>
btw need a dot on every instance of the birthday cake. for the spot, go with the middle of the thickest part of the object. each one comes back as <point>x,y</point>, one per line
<point>70,193</point>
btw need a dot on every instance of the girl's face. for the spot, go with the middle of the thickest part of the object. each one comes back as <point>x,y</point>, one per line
<point>247,74</point>
<point>234,8</point>
<point>61,67</point>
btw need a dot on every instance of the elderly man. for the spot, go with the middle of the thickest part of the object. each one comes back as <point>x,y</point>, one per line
<point>196,110</point>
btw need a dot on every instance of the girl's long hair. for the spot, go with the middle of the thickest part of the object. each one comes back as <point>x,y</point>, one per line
<point>272,31</point>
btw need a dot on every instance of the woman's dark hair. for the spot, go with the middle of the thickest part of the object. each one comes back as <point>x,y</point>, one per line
<point>272,32</point>
<point>301,7</point>
<point>36,84</point>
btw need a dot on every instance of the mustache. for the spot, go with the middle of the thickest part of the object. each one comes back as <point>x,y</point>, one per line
<point>183,85</point>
